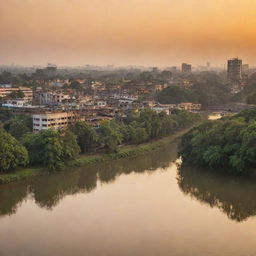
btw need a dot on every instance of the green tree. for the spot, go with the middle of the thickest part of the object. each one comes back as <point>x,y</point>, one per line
<point>69,142</point>
<point>76,85</point>
<point>251,99</point>
<point>51,148</point>
<point>228,142</point>
<point>5,114</point>
<point>110,135</point>
<point>12,153</point>
<point>18,126</point>
<point>86,136</point>
<point>16,95</point>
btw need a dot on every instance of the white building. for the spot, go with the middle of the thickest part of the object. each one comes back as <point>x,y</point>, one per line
<point>160,109</point>
<point>18,103</point>
<point>54,120</point>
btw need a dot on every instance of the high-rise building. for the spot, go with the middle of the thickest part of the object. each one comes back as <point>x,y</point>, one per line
<point>235,71</point>
<point>186,68</point>
<point>245,69</point>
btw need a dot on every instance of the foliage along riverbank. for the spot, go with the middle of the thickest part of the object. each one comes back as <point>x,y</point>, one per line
<point>228,144</point>
<point>85,160</point>
<point>54,148</point>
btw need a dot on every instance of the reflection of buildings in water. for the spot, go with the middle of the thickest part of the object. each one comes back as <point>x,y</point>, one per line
<point>49,190</point>
<point>233,195</point>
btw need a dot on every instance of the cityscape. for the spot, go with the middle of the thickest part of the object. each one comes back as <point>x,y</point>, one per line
<point>55,98</point>
<point>127,128</point>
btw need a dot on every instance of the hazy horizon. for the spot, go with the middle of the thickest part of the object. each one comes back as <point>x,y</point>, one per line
<point>131,32</point>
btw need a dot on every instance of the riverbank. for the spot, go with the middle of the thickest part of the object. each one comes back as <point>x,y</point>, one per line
<point>84,160</point>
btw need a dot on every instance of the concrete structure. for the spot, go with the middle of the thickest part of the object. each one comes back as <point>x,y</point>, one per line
<point>28,93</point>
<point>245,69</point>
<point>100,103</point>
<point>186,68</point>
<point>52,98</point>
<point>18,103</point>
<point>160,109</point>
<point>49,72</point>
<point>235,71</point>
<point>189,106</point>
<point>55,120</point>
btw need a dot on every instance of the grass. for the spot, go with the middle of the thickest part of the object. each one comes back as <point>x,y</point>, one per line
<point>20,175</point>
<point>84,160</point>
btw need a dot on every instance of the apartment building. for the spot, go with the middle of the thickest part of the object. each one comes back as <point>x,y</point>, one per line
<point>52,97</point>
<point>28,93</point>
<point>189,106</point>
<point>235,71</point>
<point>53,119</point>
<point>186,68</point>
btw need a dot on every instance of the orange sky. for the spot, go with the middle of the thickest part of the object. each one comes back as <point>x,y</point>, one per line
<point>121,32</point>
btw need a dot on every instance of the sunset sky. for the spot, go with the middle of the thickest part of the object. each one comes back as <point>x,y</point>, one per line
<point>122,32</point>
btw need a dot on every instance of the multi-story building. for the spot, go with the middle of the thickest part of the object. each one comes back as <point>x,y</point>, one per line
<point>235,71</point>
<point>245,69</point>
<point>52,97</point>
<point>189,106</point>
<point>28,93</point>
<point>186,68</point>
<point>16,103</point>
<point>53,119</point>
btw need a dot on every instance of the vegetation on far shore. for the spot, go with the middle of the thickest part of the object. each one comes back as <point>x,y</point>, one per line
<point>54,150</point>
<point>229,142</point>
<point>85,159</point>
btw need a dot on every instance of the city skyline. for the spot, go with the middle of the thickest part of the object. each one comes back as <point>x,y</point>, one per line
<point>145,32</point>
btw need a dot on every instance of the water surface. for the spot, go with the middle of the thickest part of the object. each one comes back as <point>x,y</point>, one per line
<point>146,205</point>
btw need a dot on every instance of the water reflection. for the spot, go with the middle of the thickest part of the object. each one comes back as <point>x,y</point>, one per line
<point>48,191</point>
<point>233,195</point>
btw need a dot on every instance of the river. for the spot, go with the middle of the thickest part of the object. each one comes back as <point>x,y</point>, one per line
<point>145,205</point>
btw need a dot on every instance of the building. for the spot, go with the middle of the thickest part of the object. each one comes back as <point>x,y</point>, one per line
<point>245,69</point>
<point>53,119</point>
<point>28,93</point>
<point>16,103</point>
<point>100,103</point>
<point>160,109</point>
<point>235,71</point>
<point>186,68</point>
<point>189,106</point>
<point>46,98</point>
<point>46,73</point>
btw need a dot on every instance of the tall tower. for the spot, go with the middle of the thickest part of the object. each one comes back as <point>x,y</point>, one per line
<point>186,68</point>
<point>235,71</point>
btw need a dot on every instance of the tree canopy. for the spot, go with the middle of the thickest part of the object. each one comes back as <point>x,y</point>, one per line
<point>51,148</point>
<point>12,153</point>
<point>229,142</point>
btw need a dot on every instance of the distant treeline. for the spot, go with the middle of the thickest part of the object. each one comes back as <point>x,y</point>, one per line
<point>51,148</point>
<point>207,88</point>
<point>229,142</point>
